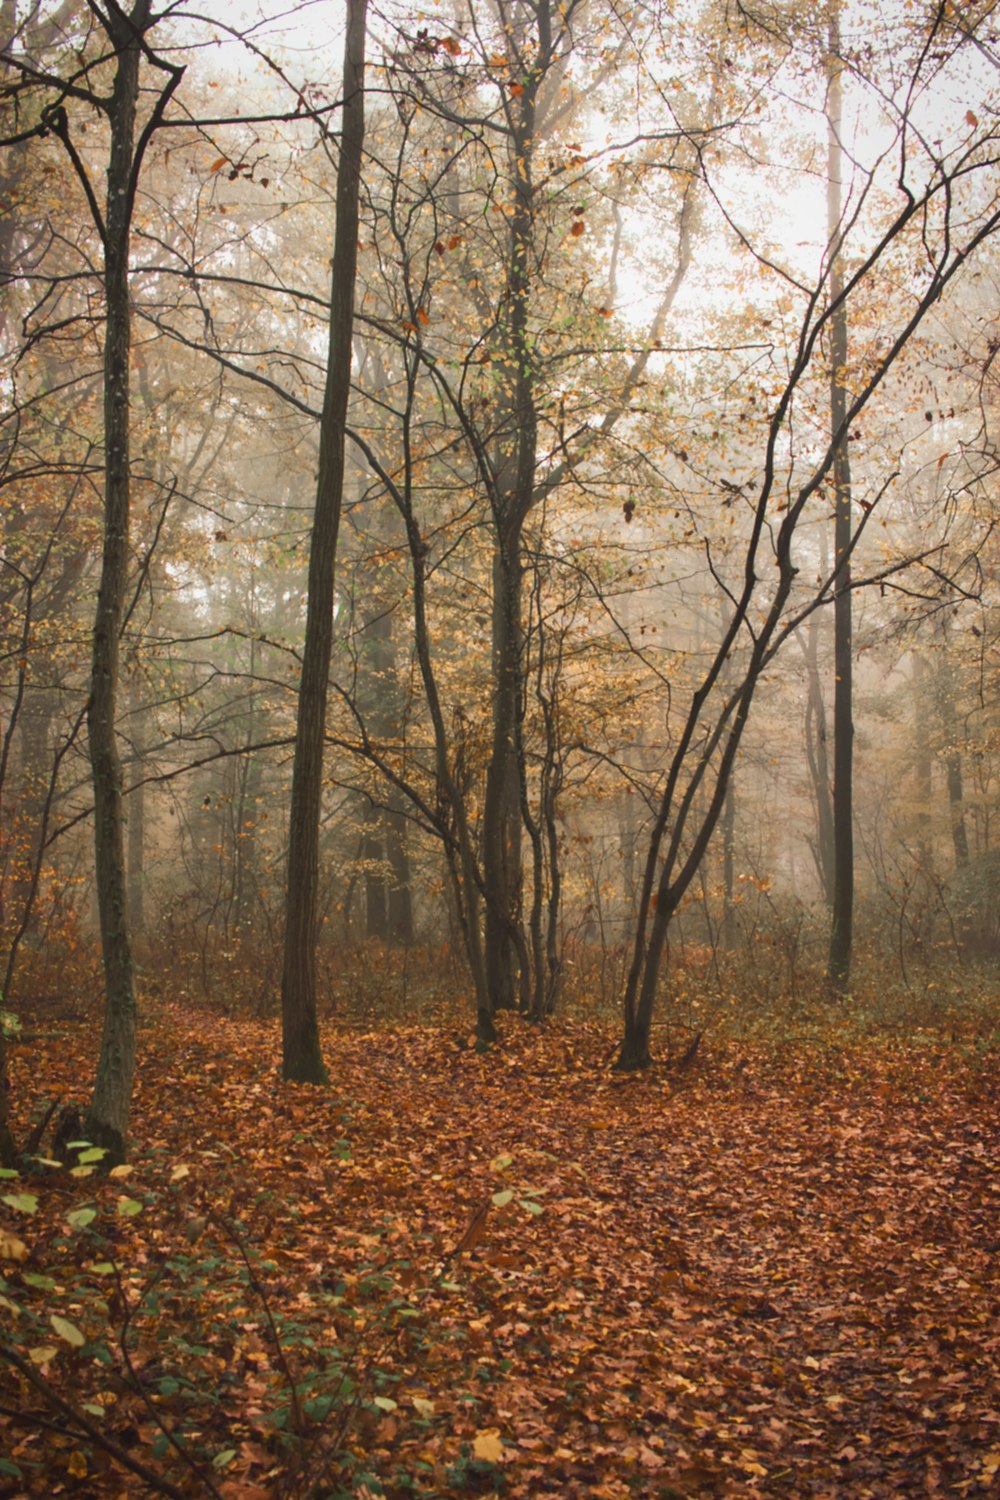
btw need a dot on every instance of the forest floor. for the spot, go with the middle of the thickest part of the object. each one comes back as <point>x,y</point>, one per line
<point>516,1274</point>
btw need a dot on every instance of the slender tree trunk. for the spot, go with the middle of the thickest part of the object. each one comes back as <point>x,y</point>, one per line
<point>841,937</point>
<point>956,807</point>
<point>515,496</point>
<point>818,762</point>
<point>136,808</point>
<point>373,854</point>
<point>728,926</point>
<point>107,1117</point>
<point>302,1058</point>
<point>502,803</point>
<point>400,899</point>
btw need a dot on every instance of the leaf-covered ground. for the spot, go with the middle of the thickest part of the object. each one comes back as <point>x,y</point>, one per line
<point>767,1277</point>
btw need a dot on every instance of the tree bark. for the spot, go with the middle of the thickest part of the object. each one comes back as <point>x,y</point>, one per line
<point>841,936</point>
<point>302,1058</point>
<point>107,1116</point>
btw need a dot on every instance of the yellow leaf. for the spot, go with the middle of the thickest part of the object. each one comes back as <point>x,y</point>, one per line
<point>179,1172</point>
<point>68,1331</point>
<point>488,1446</point>
<point>11,1248</point>
<point>123,1170</point>
<point>422,1406</point>
<point>77,1464</point>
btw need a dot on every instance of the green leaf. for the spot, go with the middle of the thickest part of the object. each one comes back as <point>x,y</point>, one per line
<point>92,1154</point>
<point>222,1459</point>
<point>7,1466</point>
<point>24,1203</point>
<point>81,1217</point>
<point>129,1207</point>
<point>102,1268</point>
<point>8,1172</point>
<point>34,1279</point>
<point>68,1331</point>
<point>385,1403</point>
<point>169,1386</point>
<point>502,1162</point>
<point>500,1200</point>
<point>94,1409</point>
<point>530,1207</point>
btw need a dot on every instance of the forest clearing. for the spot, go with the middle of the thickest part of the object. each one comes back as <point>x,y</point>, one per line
<point>773,1272</point>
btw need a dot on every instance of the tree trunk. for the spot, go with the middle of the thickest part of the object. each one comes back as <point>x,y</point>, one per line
<point>136,807</point>
<point>376,906</point>
<point>302,1058</point>
<point>841,937</point>
<point>502,810</point>
<point>107,1117</point>
<point>400,896</point>
<point>818,762</point>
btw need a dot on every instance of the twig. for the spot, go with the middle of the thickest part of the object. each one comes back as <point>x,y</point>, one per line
<point>109,1446</point>
<point>140,1389</point>
<point>298,1416</point>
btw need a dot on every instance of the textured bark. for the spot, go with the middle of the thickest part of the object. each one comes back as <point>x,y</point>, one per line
<point>818,762</point>
<point>841,937</point>
<point>136,810</point>
<point>302,1058</point>
<point>107,1116</point>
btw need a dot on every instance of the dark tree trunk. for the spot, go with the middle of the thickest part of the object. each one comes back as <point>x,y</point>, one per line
<point>107,1117</point>
<point>136,818</point>
<point>502,803</point>
<point>302,1058</point>
<point>841,937</point>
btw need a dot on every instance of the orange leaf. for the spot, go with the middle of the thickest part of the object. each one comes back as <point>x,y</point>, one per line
<point>451,46</point>
<point>422,317</point>
<point>517,89</point>
<point>971,119</point>
<point>218,164</point>
<point>578,228</point>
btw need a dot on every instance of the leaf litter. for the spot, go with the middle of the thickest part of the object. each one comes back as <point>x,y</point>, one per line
<point>513,1274</point>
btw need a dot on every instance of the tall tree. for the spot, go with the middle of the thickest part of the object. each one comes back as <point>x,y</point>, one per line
<point>124,35</point>
<point>302,1058</point>
<point>841,936</point>
<point>766,602</point>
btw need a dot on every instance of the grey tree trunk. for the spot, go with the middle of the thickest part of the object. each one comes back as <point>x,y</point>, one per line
<point>302,1058</point>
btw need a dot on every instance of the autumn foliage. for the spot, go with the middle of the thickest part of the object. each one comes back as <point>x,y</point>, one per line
<point>512,1274</point>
